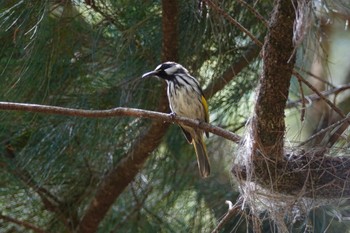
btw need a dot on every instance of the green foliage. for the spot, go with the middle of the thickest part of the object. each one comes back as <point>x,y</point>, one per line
<point>69,54</point>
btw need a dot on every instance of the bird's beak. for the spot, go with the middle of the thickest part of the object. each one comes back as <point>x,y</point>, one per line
<point>149,74</point>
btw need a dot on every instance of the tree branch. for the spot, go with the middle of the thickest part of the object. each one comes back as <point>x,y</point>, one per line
<point>233,21</point>
<point>324,130</point>
<point>118,112</point>
<point>232,210</point>
<point>315,97</point>
<point>50,202</point>
<point>230,73</point>
<point>22,223</point>
<point>254,11</point>
<point>309,85</point>
<point>169,27</point>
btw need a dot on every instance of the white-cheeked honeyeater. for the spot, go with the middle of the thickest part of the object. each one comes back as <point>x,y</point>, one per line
<point>186,99</point>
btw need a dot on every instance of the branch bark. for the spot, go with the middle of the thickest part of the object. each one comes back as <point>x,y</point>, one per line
<point>268,120</point>
<point>119,112</point>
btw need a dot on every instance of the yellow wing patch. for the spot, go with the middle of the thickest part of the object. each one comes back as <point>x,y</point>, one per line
<point>206,110</point>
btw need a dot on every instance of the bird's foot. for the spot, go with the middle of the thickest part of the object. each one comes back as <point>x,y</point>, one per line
<point>172,115</point>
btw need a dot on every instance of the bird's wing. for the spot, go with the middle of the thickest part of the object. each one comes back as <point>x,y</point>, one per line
<point>187,135</point>
<point>206,112</point>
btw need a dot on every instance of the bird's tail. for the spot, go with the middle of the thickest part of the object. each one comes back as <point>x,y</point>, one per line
<point>202,156</point>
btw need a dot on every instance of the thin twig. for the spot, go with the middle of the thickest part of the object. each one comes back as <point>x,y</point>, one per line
<point>233,70</point>
<point>316,77</point>
<point>256,13</point>
<point>22,223</point>
<point>119,111</point>
<point>335,108</point>
<point>233,21</point>
<point>302,114</point>
<point>233,209</point>
<point>314,97</point>
<point>50,202</point>
<point>330,142</point>
<point>322,131</point>
<point>107,16</point>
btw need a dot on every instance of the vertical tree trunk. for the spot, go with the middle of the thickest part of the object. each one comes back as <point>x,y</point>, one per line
<point>268,121</point>
<point>301,173</point>
<point>169,28</point>
<point>268,126</point>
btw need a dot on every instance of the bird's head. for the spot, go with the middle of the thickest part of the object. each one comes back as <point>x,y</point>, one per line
<point>167,71</point>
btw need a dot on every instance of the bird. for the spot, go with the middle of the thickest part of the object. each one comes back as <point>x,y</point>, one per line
<point>186,99</point>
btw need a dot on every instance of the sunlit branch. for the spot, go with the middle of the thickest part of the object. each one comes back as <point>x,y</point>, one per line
<point>117,112</point>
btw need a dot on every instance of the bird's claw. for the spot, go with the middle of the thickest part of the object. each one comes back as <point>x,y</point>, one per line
<point>172,115</point>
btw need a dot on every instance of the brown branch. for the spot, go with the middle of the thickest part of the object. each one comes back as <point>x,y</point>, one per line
<point>315,97</point>
<point>50,202</point>
<point>322,80</point>
<point>303,106</point>
<point>232,210</point>
<point>169,28</point>
<point>120,176</point>
<point>22,223</point>
<point>324,130</point>
<point>255,12</point>
<point>108,16</point>
<point>219,83</point>
<point>309,85</point>
<point>125,171</point>
<point>233,21</point>
<point>117,112</point>
<point>334,136</point>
